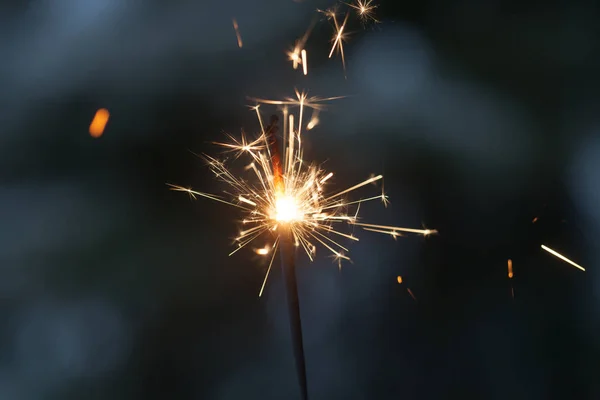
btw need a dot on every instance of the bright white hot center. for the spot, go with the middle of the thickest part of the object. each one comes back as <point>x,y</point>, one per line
<point>286,209</point>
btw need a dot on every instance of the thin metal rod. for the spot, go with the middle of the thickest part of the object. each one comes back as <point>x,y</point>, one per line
<point>288,266</point>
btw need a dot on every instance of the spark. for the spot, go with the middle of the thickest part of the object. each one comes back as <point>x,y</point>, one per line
<point>384,199</point>
<point>304,62</point>
<point>399,280</point>
<point>393,230</point>
<point>262,252</point>
<point>411,294</point>
<point>554,253</point>
<point>287,194</point>
<point>315,102</point>
<point>297,55</point>
<point>242,145</point>
<point>237,34</point>
<point>99,123</point>
<point>314,120</point>
<point>510,270</point>
<point>365,10</point>
<point>326,177</point>
<point>338,37</point>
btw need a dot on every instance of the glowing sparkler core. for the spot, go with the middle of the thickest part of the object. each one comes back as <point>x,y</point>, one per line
<point>287,210</point>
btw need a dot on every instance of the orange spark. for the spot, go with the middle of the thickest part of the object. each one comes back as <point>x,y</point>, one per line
<point>554,253</point>
<point>534,220</point>
<point>237,33</point>
<point>399,279</point>
<point>99,123</point>
<point>510,271</point>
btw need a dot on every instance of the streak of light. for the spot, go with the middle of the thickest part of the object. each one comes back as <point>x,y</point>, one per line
<point>295,55</point>
<point>326,178</point>
<point>245,200</point>
<point>510,270</point>
<point>338,38</point>
<point>314,120</point>
<point>237,33</point>
<point>315,102</point>
<point>411,294</point>
<point>304,62</point>
<point>534,220</point>
<point>395,229</point>
<point>262,288</point>
<point>99,123</point>
<point>555,253</point>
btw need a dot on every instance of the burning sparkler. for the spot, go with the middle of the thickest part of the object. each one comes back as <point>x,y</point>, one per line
<point>287,202</point>
<point>288,192</point>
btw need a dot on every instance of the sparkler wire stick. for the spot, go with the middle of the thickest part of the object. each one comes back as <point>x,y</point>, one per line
<point>288,265</point>
<point>287,202</point>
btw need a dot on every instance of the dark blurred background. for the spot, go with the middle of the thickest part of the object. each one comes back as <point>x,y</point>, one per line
<point>482,115</point>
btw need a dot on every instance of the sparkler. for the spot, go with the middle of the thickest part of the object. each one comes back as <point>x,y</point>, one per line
<point>287,203</point>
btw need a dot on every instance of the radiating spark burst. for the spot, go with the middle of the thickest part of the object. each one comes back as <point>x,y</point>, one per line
<point>339,36</point>
<point>365,10</point>
<point>288,192</point>
<point>557,254</point>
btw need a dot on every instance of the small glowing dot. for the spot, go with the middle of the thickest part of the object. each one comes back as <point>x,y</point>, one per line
<point>399,279</point>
